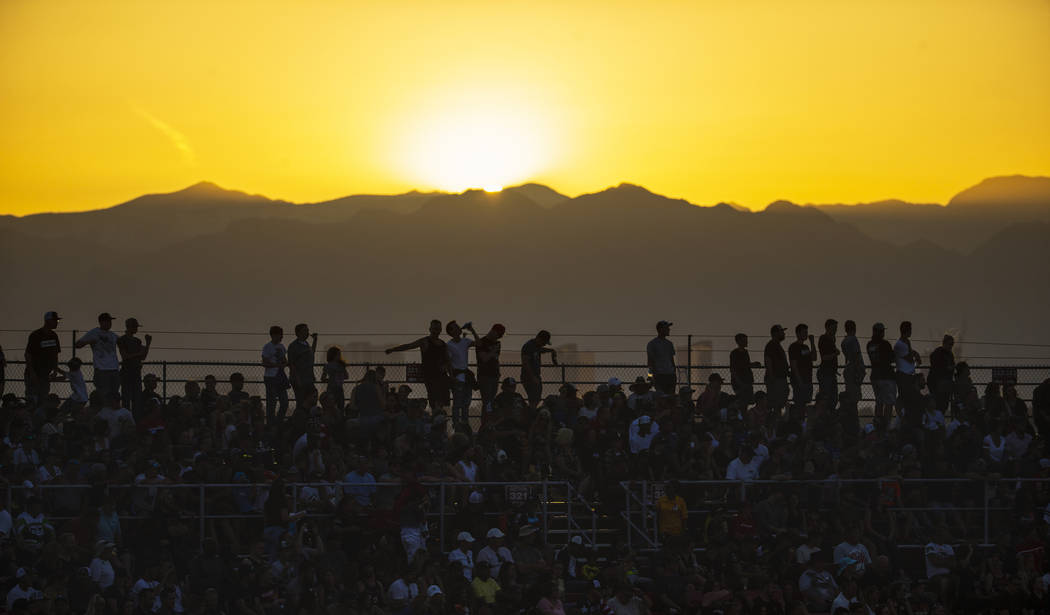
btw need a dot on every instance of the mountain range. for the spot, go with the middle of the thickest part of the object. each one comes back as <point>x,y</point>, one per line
<point>617,260</point>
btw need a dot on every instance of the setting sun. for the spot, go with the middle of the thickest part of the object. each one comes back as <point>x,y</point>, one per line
<point>485,141</point>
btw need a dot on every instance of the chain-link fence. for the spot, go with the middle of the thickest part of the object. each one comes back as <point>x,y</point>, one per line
<point>172,377</point>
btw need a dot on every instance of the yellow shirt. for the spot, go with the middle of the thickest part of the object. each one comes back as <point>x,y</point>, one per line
<point>673,515</point>
<point>485,590</point>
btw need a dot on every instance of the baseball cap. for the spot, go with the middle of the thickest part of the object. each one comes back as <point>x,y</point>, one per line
<point>465,536</point>
<point>494,533</point>
<point>664,323</point>
<point>433,590</point>
<point>52,316</point>
<point>508,381</point>
<point>776,328</point>
<point>879,326</point>
<point>715,376</point>
<point>105,316</point>
<point>132,322</point>
<point>527,530</point>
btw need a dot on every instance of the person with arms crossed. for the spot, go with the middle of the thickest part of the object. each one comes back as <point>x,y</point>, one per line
<point>103,344</point>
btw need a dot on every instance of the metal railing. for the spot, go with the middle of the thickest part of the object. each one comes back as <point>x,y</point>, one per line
<point>210,502</point>
<point>910,496</point>
<point>172,377</point>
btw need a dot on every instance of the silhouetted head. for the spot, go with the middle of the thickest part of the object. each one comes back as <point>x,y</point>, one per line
<point>906,329</point>
<point>435,327</point>
<point>831,326</point>
<point>302,331</point>
<point>777,333</point>
<point>851,327</point>
<point>276,334</point>
<point>453,328</point>
<point>948,342</point>
<point>543,337</point>
<point>741,340</point>
<point>802,331</point>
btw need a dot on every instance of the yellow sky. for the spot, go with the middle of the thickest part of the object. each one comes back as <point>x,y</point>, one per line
<point>709,100</point>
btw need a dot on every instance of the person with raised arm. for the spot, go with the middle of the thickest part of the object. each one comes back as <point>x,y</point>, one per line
<point>434,357</point>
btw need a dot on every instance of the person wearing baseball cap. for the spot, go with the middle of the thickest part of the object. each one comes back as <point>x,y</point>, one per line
<point>495,553</point>
<point>486,350</point>
<point>103,344</point>
<point>42,350</point>
<point>883,379</point>
<point>660,354</point>
<point>463,555</point>
<point>132,353</point>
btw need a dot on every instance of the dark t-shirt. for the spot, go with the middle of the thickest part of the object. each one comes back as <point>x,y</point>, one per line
<point>942,364</point>
<point>301,362</point>
<point>129,344</point>
<point>530,355</point>
<point>802,355</point>
<point>740,367</point>
<point>826,347</point>
<point>489,368</point>
<point>776,360</point>
<point>42,350</point>
<point>880,354</point>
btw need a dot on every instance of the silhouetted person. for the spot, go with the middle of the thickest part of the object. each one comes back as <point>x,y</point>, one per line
<point>883,384</point>
<point>828,370</point>
<point>907,361</point>
<point>106,365</point>
<point>659,354</point>
<point>531,361</point>
<point>434,356</point>
<point>801,355</point>
<point>3,371</point>
<point>237,393</point>
<point>274,360</point>
<point>777,368</point>
<point>459,368</point>
<point>41,356</point>
<point>132,353</point>
<point>487,350</point>
<point>301,360</point>
<point>740,374</point>
<point>853,370</point>
<point>942,372</point>
<point>335,375</point>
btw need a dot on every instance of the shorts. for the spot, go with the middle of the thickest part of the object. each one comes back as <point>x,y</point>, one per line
<point>664,383</point>
<point>885,391</point>
<point>777,392</point>
<point>534,391</point>
<point>744,392</point>
<point>437,392</point>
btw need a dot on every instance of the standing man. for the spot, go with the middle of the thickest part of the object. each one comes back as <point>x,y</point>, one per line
<point>880,354</point>
<point>103,344</point>
<point>828,372</point>
<point>660,354</point>
<point>801,355</point>
<point>907,360</point>
<point>740,374</point>
<point>531,354</point>
<point>853,371</point>
<point>459,367</point>
<point>42,359</point>
<point>132,353</point>
<point>776,370</point>
<point>487,350</point>
<point>942,370</point>
<point>434,357</point>
<point>301,361</point>
<point>274,360</point>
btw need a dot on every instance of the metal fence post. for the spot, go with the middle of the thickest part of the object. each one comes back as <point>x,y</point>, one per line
<point>645,508</point>
<point>164,380</point>
<point>627,512</point>
<point>689,360</point>
<point>441,511</point>
<point>984,496</point>
<point>568,511</point>
<point>545,510</point>
<point>73,343</point>
<point>202,513</point>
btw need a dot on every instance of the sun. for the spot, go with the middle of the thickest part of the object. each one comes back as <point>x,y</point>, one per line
<point>483,142</point>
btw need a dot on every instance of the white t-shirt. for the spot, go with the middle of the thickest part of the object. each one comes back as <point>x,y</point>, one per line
<point>457,355</point>
<point>738,470</point>
<point>401,591</point>
<point>112,417</point>
<point>936,549</point>
<point>102,573</point>
<point>638,441</point>
<point>78,386</point>
<point>273,353</point>
<point>495,558</point>
<point>995,451</point>
<point>465,559</point>
<point>5,522</point>
<point>103,348</point>
<point>804,553</point>
<point>904,364</point>
<point>17,593</point>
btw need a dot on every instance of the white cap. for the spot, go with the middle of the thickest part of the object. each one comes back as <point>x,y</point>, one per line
<point>475,497</point>
<point>465,536</point>
<point>577,540</point>
<point>501,455</point>
<point>870,427</point>
<point>433,590</point>
<point>494,533</point>
<point>20,573</point>
<point>614,382</point>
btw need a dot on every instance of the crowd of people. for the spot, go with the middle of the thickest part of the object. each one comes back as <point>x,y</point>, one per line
<point>324,501</point>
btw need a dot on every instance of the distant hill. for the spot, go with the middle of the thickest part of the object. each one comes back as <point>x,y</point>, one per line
<point>618,259</point>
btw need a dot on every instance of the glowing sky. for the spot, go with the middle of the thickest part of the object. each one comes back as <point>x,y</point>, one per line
<point>748,101</point>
